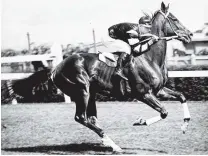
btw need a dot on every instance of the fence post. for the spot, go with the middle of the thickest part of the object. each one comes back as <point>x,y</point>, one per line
<point>56,50</point>
<point>175,60</point>
<point>94,41</point>
<point>193,59</point>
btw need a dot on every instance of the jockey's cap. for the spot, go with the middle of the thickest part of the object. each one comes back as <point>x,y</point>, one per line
<point>145,20</point>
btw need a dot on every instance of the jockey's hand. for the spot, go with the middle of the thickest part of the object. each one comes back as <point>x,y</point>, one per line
<point>134,35</point>
<point>155,38</point>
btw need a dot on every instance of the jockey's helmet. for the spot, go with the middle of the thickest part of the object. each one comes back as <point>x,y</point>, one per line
<point>146,20</point>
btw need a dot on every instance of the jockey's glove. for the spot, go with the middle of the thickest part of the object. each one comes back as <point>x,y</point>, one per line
<point>153,40</point>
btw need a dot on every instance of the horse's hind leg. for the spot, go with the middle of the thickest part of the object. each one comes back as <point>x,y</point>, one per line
<point>91,108</point>
<point>86,111</point>
<point>86,114</point>
<point>170,94</point>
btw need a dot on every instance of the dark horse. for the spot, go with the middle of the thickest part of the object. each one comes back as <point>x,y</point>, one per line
<point>81,76</point>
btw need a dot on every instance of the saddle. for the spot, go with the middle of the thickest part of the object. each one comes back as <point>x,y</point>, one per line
<point>110,59</point>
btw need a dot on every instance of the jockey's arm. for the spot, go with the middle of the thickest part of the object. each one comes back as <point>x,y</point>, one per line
<point>144,45</point>
<point>133,33</point>
<point>134,37</point>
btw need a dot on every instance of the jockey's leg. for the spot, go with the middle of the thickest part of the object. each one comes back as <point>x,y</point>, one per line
<point>125,50</point>
<point>120,65</point>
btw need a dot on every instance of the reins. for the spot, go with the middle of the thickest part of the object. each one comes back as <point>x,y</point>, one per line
<point>170,37</point>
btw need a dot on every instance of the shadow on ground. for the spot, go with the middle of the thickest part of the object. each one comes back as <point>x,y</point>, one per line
<point>74,148</point>
<point>83,148</point>
<point>138,150</point>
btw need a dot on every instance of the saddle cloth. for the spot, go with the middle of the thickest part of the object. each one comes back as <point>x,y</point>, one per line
<point>109,51</point>
<point>109,59</point>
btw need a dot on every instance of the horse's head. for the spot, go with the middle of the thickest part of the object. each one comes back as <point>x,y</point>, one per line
<point>172,26</point>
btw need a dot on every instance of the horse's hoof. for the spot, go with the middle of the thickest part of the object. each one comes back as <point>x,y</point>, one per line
<point>117,150</point>
<point>184,127</point>
<point>164,115</point>
<point>140,122</point>
<point>106,141</point>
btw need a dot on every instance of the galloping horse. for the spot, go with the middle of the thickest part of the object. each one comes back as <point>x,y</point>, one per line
<point>82,75</point>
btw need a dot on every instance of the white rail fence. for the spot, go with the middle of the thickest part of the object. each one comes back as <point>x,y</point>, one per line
<point>28,58</point>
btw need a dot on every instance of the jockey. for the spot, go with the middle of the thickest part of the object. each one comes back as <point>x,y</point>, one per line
<point>138,37</point>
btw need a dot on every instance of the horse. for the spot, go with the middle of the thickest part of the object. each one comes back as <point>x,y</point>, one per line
<point>81,76</point>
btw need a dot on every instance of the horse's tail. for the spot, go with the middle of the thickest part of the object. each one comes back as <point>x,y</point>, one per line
<point>25,87</point>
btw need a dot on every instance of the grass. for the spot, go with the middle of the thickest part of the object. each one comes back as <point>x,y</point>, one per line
<point>51,129</point>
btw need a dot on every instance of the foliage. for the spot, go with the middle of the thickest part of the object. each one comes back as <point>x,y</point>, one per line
<point>71,49</point>
<point>203,52</point>
<point>194,89</point>
<point>8,52</point>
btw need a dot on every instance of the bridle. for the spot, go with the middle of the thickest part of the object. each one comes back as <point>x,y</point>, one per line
<point>167,18</point>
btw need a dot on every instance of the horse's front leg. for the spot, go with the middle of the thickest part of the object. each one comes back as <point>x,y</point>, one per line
<point>170,94</point>
<point>153,102</point>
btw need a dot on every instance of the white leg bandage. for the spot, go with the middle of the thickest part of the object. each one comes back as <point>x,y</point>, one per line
<point>109,143</point>
<point>186,110</point>
<point>153,120</point>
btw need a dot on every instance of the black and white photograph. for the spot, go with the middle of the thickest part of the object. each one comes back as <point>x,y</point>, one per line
<point>104,77</point>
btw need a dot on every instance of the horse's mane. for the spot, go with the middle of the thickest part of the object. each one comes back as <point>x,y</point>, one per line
<point>148,15</point>
<point>151,15</point>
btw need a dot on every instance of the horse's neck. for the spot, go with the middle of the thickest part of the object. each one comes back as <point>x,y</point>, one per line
<point>157,51</point>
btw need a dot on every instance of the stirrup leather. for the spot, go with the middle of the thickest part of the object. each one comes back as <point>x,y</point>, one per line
<point>120,73</point>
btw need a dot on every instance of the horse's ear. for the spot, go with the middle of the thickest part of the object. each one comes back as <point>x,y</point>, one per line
<point>164,8</point>
<point>167,8</point>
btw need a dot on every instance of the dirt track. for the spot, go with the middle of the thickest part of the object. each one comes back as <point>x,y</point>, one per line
<point>51,129</point>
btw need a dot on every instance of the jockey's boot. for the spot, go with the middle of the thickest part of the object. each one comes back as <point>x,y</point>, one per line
<point>119,68</point>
